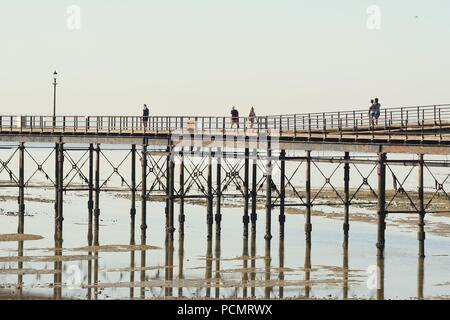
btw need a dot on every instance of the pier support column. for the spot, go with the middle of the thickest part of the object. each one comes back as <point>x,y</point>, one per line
<point>168,183</point>
<point>246,218</point>
<point>97,196</point>
<point>21,199</point>
<point>268,235</point>
<point>144,196</point>
<point>346,225</point>
<point>171,214</point>
<point>381,205</point>
<point>181,217</point>
<point>60,184</point>
<point>308,225</point>
<point>421,233</point>
<point>282,217</point>
<point>133,196</point>
<point>209,215</point>
<point>56,189</point>
<point>90,194</point>
<point>254,216</point>
<point>218,216</point>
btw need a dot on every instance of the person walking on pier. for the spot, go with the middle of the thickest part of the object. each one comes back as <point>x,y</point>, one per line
<point>234,117</point>
<point>252,117</point>
<point>145,114</point>
<point>371,112</point>
<point>376,111</point>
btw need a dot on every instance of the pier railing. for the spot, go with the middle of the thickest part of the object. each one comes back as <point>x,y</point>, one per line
<point>398,119</point>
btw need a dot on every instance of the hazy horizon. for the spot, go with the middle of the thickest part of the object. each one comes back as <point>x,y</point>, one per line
<point>202,57</point>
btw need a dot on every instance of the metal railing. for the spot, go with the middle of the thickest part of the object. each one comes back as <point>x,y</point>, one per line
<point>398,119</point>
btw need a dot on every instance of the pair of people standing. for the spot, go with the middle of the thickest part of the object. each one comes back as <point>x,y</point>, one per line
<point>374,111</point>
<point>235,117</point>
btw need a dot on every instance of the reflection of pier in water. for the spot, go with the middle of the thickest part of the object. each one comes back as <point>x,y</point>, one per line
<point>214,164</point>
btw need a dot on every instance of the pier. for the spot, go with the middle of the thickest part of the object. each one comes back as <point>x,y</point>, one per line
<point>181,158</point>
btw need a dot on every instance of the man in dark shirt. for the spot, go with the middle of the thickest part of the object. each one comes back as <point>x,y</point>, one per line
<point>234,117</point>
<point>145,114</point>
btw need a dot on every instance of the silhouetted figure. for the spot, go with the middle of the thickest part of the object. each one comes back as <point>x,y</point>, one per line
<point>145,114</point>
<point>252,117</point>
<point>376,110</point>
<point>234,117</point>
<point>371,112</point>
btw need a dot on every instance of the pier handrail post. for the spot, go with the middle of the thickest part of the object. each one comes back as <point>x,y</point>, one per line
<point>295,126</point>
<point>281,125</point>
<point>309,127</point>
<point>434,112</point>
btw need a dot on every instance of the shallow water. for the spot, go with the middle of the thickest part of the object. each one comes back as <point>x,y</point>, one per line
<point>200,263</point>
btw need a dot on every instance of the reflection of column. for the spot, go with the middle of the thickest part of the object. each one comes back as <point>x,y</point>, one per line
<point>180,262</point>
<point>96,267</point>
<point>253,263</point>
<point>217,255</point>
<point>345,271</point>
<point>143,262</point>
<point>169,266</point>
<point>267,260</point>
<point>208,275</point>
<point>281,274</point>
<point>89,289</point>
<point>421,278</point>
<point>245,268</point>
<point>57,283</point>
<point>307,271</point>
<point>20,267</point>
<point>380,278</point>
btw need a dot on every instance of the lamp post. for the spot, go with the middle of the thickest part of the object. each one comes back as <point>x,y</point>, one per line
<point>55,76</point>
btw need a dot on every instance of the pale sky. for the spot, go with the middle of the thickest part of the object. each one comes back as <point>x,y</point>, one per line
<point>203,56</point>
